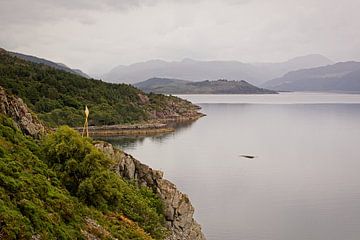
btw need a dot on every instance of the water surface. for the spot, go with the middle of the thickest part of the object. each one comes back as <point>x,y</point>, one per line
<point>304,183</point>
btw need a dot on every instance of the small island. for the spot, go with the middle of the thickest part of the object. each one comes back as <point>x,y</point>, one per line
<point>221,86</point>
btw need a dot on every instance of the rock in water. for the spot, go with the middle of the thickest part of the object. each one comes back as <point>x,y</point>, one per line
<point>248,156</point>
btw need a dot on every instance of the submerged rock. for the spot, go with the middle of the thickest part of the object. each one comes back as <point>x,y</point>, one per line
<point>178,209</point>
<point>248,156</point>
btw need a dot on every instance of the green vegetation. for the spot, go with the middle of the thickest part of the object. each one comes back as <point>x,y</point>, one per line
<point>59,97</point>
<point>51,188</point>
<point>221,86</point>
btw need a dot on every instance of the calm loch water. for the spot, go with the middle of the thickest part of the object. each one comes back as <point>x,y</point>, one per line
<point>304,183</point>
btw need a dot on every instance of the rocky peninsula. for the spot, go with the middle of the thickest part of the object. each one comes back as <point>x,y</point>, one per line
<point>177,206</point>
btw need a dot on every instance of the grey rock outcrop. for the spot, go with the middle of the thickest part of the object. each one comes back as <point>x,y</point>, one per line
<point>178,209</point>
<point>15,108</point>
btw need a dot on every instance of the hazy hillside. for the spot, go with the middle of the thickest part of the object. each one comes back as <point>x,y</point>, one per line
<point>59,97</point>
<point>344,76</point>
<point>193,70</point>
<point>59,66</point>
<point>279,69</point>
<point>176,86</point>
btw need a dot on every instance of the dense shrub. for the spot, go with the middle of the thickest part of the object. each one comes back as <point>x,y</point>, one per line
<point>31,199</point>
<point>84,171</point>
<point>49,188</point>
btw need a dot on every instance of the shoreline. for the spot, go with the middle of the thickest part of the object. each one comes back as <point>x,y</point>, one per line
<point>139,129</point>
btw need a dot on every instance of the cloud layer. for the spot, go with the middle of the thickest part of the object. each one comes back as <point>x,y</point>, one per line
<point>97,35</point>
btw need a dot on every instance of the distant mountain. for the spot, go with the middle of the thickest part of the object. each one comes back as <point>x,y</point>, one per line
<point>177,86</point>
<point>192,70</point>
<point>343,76</point>
<point>59,66</point>
<point>275,70</point>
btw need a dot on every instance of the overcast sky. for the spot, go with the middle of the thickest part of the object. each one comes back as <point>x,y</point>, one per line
<point>96,35</point>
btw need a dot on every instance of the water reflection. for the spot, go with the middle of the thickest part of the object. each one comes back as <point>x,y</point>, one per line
<point>303,184</point>
<point>131,142</point>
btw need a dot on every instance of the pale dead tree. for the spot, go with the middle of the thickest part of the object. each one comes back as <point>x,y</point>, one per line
<point>86,124</point>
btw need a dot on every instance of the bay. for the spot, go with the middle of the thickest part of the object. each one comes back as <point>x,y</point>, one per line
<point>304,182</point>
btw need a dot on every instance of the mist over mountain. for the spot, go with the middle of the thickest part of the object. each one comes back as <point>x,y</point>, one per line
<point>193,70</point>
<point>59,66</point>
<point>343,76</point>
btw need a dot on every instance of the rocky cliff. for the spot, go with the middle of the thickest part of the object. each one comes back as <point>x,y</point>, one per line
<point>15,108</point>
<point>178,209</point>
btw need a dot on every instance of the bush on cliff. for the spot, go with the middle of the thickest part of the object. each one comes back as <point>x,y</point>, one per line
<point>50,188</point>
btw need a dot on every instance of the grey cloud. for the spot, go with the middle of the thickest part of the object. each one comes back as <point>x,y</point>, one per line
<point>24,11</point>
<point>99,34</point>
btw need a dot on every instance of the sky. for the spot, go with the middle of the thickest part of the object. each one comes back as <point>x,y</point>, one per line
<point>97,35</point>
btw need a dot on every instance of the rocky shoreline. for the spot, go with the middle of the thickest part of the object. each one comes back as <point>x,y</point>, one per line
<point>139,129</point>
<point>127,129</point>
<point>179,212</point>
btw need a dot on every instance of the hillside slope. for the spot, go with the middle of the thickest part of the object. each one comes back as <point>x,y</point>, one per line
<point>343,76</point>
<point>176,86</point>
<point>59,97</point>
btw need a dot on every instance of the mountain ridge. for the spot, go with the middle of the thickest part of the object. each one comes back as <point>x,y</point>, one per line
<point>193,70</point>
<point>341,76</point>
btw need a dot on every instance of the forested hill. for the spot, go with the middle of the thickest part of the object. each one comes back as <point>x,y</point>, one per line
<point>59,97</point>
<point>221,86</point>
